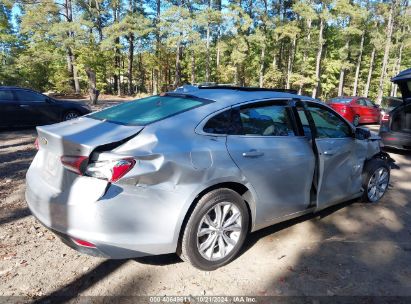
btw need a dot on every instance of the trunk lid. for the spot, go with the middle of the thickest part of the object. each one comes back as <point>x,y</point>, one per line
<point>78,137</point>
<point>403,80</point>
<point>81,136</point>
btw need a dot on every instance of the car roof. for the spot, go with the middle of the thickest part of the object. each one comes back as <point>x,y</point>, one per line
<point>226,96</point>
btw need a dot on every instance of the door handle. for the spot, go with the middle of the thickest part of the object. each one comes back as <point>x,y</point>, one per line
<point>253,153</point>
<point>329,152</point>
<point>24,106</point>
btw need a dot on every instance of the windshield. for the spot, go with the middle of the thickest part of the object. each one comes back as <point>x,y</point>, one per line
<point>340,100</point>
<point>147,110</point>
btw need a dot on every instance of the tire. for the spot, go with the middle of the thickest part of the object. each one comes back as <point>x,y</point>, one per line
<point>356,120</point>
<point>372,170</point>
<point>70,115</point>
<point>234,206</point>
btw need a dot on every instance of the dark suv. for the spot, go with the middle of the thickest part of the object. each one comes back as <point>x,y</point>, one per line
<point>395,127</point>
<point>25,107</point>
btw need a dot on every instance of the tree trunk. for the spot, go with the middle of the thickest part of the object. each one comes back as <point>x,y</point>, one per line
<point>318,60</point>
<point>130,39</point>
<point>398,69</point>
<point>290,62</point>
<point>390,25</point>
<point>367,85</point>
<point>158,43</point>
<point>177,76</point>
<point>93,92</point>
<point>208,48</point>
<point>218,51</point>
<point>307,43</point>
<point>70,54</point>
<point>117,59</point>
<point>193,67</point>
<point>262,59</point>
<point>357,69</point>
<point>236,76</point>
<point>342,71</point>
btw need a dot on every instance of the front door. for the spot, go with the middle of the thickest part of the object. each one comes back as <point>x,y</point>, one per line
<point>340,158</point>
<point>278,164</point>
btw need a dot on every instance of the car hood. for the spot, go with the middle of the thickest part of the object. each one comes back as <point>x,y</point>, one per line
<point>403,80</point>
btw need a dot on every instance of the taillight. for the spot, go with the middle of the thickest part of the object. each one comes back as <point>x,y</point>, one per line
<point>385,117</point>
<point>83,243</point>
<point>111,170</point>
<point>36,143</point>
<point>76,164</point>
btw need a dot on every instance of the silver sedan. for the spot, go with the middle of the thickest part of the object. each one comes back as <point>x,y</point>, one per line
<point>195,170</point>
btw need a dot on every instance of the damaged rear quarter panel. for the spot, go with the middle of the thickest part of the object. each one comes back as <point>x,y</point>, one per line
<point>171,157</point>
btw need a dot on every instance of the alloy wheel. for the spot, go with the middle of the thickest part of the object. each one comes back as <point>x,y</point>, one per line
<point>70,115</point>
<point>378,184</point>
<point>219,231</point>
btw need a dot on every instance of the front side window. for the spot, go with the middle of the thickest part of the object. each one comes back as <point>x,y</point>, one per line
<point>29,96</point>
<point>266,120</point>
<point>361,102</point>
<point>328,124</point>
<point>6,95</point>
<point>147,110</point>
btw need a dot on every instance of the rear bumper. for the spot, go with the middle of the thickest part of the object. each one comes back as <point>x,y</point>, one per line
<point>123,221</point>
<point>397,140</point>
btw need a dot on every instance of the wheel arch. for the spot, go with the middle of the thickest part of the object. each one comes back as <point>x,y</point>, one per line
<point>245,191</point>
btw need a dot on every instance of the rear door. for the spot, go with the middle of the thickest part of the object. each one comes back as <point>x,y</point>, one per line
<point>276,162</point>
<point>339,157</point>
<point>38,111</point>
<point>11,113</point>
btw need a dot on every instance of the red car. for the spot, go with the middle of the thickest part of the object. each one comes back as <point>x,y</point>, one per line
<point>356,109</point>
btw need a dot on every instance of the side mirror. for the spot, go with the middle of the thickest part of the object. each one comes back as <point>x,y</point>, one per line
<point>362,133</point>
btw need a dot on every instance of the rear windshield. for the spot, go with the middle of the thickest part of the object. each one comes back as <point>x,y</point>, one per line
<point>340,100</point>
<point>147,110</point>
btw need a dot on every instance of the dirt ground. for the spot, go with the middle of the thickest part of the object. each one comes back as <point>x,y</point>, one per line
<point>351,249</point>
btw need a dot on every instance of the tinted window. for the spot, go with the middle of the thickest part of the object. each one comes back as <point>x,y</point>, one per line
<point>6,95</point>
<point>340,100</point>
<point>328,124</point>
<point>223,123</point>
<point>147,110</point>
<point>29,96</point>
<point>361,102</point>
<point>269,120</point>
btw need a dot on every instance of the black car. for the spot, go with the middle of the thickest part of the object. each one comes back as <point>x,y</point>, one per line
<point>395,127</point>
<point>25,107</point>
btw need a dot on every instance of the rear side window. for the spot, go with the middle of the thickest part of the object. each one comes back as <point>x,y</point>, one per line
<point>6,95</point>
<point>148,110</point>
<point>267,120</point>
